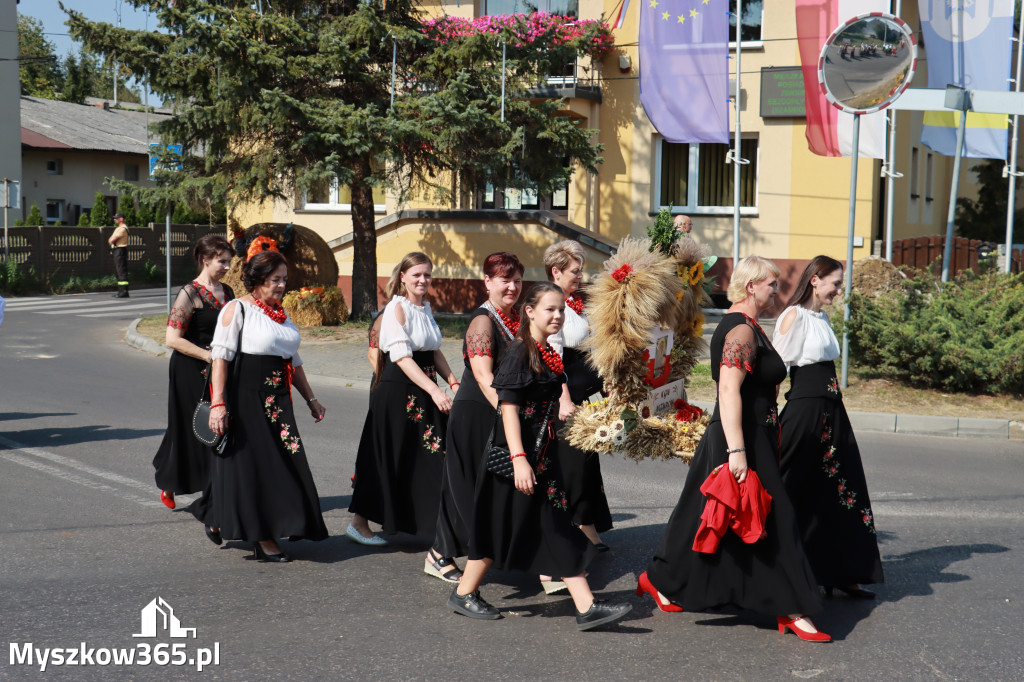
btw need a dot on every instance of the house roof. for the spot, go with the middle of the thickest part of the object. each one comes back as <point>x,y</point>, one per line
<point>51,124</point>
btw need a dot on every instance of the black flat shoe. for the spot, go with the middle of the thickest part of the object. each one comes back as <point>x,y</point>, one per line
<point>600,613</point>
<point>214,535</point>
<point>472,605</point>
<point>852,592</point>
<point>260,554</point>
<point>601,547</point>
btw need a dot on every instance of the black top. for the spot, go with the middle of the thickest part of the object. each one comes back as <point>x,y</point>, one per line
<point>749,348</point>
<point>484,337</point>
<point>195,312</point>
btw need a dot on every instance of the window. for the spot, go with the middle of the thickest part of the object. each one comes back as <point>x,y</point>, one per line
<point>928,175</point>
<point>524,199</point>
<point>55,167</point>
<point>54,210</point>
<point>915,189</point>
<point>329,196</point>
<point>753,12</point>
<point>695,177</point>
<point>496,7</point>
<point>131,172</point>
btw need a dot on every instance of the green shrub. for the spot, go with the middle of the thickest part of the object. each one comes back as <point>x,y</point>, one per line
<point>966,336</point>
<point>73,284</point>
<point>83,220</point>
<point>17,279</point>
<point>131,218</point>
<point>149,272</point>
<point>35,217</point>
<point>100,215</point>
<point>663,233</point>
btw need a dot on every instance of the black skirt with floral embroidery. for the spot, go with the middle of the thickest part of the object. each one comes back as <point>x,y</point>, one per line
<point>823,473</point>
<point>261,488</point>
<point>401,453</point>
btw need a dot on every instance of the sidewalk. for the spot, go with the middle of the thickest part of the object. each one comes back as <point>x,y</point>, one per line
<point>344,365</point>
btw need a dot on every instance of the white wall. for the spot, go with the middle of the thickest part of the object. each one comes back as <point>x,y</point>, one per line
<point>82,175</point>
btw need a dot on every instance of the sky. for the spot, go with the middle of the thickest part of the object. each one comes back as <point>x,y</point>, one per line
<point>53,18</point>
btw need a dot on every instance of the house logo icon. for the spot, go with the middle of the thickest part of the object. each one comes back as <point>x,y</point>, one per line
<point>158,616</point>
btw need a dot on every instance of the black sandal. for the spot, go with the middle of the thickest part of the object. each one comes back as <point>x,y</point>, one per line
<point>435,567</point>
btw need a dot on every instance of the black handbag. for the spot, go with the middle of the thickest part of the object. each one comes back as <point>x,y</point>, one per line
<point>201,416</point>
<point>499,458</point>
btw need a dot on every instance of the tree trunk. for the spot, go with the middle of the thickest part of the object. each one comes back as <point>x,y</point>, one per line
<point>364,243</point>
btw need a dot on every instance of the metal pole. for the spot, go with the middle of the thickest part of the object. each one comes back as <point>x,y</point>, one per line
<point>7,195</point>
<point>848,289</point>
<point>947,252</point>
<point>1012,172</point>
<point>736,154</point>
<point>890,173</point>
<point>167,252</point>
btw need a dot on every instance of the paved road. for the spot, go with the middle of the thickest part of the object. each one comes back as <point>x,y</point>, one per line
<point>85,546</point>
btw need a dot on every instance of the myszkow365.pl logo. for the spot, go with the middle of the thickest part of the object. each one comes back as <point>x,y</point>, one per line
<point>157,619</point>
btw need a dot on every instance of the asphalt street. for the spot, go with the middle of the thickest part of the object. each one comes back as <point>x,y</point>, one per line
<point>85,546</point>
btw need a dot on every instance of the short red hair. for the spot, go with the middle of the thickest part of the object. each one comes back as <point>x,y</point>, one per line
<point>503,264</point>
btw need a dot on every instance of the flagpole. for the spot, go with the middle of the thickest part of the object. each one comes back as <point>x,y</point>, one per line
<point>736,152</point>
<point>890,173</point>
<point>848,288</point>
<point>1012,171</point>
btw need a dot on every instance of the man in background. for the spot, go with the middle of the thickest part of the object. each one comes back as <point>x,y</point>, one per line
<point>119,245</point>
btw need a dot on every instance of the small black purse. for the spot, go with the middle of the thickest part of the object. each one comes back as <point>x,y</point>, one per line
<point>201,416</point>
<point>499,458</point>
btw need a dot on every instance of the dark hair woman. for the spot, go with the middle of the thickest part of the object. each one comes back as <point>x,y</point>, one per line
<point>182,463</point>
<point>820,461</point>
<point>581,471</point>
<point>523,523</point>
<point>401,450</point>
<point>261,488</point>
<point>491,328</point>
<point>766,569</point>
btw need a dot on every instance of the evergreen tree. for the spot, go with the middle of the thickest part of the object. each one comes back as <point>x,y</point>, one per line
<point>284,96</point>
<point>78,79</point>
<point>38,67</point>
<point>83,220</point>
<point>100,215</point>
<point>985,218</point>
<point>131,218</point>
<point>35,216</point>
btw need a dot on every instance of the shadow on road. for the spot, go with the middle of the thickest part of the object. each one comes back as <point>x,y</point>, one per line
<point>41,438</point>
<point>913,574</point>
<point>7,416</point>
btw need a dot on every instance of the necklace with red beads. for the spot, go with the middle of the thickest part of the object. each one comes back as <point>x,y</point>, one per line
<point>513,324</point>
<point>575,303</point>
<point>277,313</point>
<point>551,357</point>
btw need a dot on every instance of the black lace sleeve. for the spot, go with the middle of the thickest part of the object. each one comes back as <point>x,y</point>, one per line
<point>479,338</point>
<point>740,348</point>
<point>182,310</point>
<point>375,331</point>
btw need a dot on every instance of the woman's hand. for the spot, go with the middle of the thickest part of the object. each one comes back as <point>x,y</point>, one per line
<point>317,410</point>
<point>219,420</point>
<point>441,399</point>
<point>738,466</point>
<point>565,409</point>
<point>523,475</point>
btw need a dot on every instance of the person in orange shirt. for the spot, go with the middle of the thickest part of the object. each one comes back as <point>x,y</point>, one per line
<point>119,247</point>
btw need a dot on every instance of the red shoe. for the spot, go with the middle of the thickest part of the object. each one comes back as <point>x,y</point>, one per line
<point>167,498</point>
<point>790,623</point>
<point>643,584</point>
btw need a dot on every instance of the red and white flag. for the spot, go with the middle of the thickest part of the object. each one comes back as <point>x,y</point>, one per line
<point>830,131</point>
<point>621,16</point>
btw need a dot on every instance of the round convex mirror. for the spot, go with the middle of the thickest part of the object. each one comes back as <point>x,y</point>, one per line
<point>867,63</point>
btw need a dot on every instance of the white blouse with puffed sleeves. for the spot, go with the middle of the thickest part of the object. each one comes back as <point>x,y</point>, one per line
<point>261,335</point>
<point>420,331</point>
<point>809,340</point>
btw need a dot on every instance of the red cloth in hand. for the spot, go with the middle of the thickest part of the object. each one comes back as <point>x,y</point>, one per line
<point>743,508</point>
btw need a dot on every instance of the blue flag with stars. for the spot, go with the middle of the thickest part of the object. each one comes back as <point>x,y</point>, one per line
<point>684,71</point>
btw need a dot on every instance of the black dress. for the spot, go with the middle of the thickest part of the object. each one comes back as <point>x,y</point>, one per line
<point>261,488</point>
<point>532,533</point>
<point>182,463</point>
<point>772,575</point>
<point>823,473</point>
<point>469,426</point>
<point>400,459</point>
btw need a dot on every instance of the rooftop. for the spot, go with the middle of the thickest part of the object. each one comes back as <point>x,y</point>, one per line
<point>52,124</point>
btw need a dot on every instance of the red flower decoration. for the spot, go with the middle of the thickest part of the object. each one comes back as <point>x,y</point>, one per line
<point>622,273</point>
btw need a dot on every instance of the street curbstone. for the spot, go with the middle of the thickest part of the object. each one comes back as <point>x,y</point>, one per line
<point>873,421</point>
<point>973,427</point>
<point>133,338</point>
<point>927,425</point>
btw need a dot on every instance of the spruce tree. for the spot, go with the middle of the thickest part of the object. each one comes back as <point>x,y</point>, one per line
<point>35,216</point>
<point>83,220</point>
<point>99,215</point>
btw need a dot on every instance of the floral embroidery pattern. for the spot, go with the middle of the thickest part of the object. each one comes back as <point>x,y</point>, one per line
<point>179,319</point>
<point>208,296</point>
<point>275,379</point>
<point>772,418</point>
<point>833,386</point>
<point>869,520</point>
<point>847,497</point>
<point>826,428</point>
<point>273,412</point>
<point>528,411</point>
<point>557,497</point>
<point>414,413</point>
<point>739,355</point>
<point>431,441</point>
<point>479,345</point>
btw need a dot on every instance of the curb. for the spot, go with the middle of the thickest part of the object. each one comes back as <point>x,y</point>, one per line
<point>133,338</point>
<point>878,422</point>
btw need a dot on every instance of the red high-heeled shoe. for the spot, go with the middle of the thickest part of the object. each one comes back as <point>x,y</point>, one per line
<point>643,584</point>
<point>167,498</point>
<point>790,623</point>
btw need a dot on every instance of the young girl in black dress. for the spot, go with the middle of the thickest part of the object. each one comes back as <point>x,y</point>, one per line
<point>524,523</point>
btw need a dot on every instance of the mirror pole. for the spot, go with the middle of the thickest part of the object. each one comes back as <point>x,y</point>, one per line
<point>947,252</point>
<point>736,145</point>
<point>848,289</point>
<point>891,175</point>
<point>1012,172</point>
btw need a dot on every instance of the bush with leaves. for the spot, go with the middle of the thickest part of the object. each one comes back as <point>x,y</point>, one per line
<point>35,217</point>
<point>84,220</point>
<point>17,278</point>
<point>965,336</point>
<point>100,214</point>
<point>663,233</point>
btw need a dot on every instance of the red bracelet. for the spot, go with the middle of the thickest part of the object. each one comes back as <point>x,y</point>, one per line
<point>218,405</point>
<point>521,454</point>
<point>454,384</point>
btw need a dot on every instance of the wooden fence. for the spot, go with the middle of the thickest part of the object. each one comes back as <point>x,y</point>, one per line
<point>920,252</point>
<point>84,251</point>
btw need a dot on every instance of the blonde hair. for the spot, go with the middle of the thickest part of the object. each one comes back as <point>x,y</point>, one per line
<point>410,260</point>
<point>751,269</point>
<point>559,254</point>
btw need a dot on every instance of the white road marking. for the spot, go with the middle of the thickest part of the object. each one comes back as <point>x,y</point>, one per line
<point>110,308</point>
<point>74,478</point>
<point>154,305</point>
<point>54,305</point>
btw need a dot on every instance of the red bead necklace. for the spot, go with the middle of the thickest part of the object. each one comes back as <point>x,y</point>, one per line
<point>277,313</point>
<point>513,324</point>
<point>575,303</point>
<point>551,358</point>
